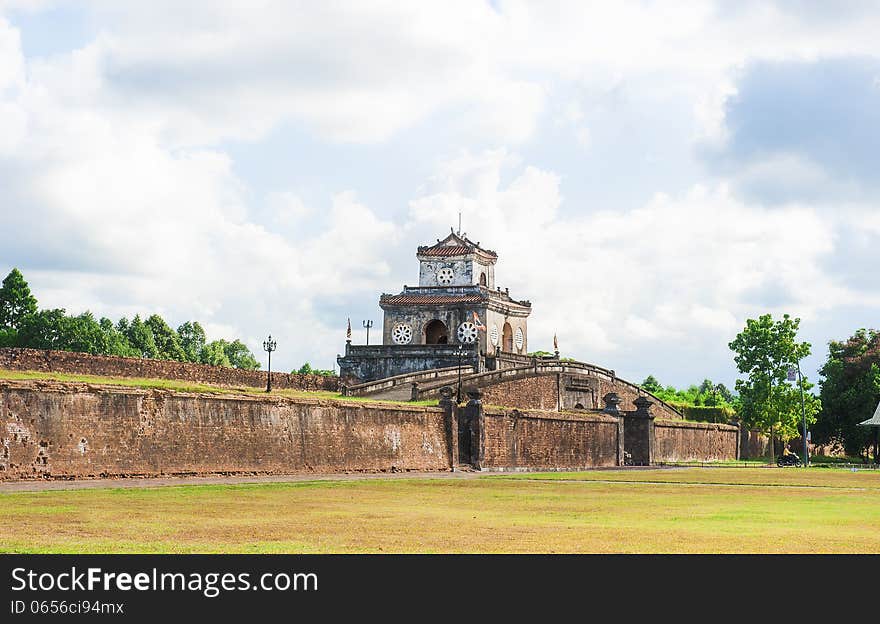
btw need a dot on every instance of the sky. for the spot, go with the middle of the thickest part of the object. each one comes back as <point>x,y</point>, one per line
<point>651,174</point>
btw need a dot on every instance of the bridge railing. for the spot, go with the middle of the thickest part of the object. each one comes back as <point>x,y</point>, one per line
<point>379,385</point>
<point>540,366</point>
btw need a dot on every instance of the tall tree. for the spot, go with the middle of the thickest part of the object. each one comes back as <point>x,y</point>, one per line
<point>240,356</point>
<point>16,300</point>
<point>652,385</point>
<point>192,340</point>
<point>166,339</point>
<point>850,392</point>
<point>214,354</point>
<point>115,342</point>
<point>43,330</point>
<point>765,350</point>
<point>141,338</point>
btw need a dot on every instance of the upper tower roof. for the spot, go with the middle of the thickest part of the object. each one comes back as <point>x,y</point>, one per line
<point>455,245</point>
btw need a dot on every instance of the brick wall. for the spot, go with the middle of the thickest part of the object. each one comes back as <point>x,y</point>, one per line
<point>81,430</point>
<point>536,393</point>
<point>548,441</point>
<point>680,440</point>
<point>112,366</point>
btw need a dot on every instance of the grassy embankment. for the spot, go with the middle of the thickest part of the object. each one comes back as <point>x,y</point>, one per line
<point>188,386</point>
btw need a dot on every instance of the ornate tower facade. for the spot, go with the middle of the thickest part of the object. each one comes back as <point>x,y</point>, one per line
<point>455,304</point>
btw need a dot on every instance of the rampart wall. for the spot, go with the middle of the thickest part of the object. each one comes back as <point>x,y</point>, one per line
<point>523,440</point>
<point>80,430</point>
<point>683,440</point>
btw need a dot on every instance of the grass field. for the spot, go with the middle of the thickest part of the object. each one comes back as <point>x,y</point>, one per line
<point>703,510</point>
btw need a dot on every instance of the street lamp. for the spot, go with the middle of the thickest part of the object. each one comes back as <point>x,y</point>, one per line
<point>269,346</point>
<point>367,326</point>
<point>792,371</point>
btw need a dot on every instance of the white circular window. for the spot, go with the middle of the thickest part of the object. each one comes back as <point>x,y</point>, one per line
<point>467,332</point>
<point>401,334</point>
<point>493,335</point>
<point>445,276</point>
<point>518,338</point>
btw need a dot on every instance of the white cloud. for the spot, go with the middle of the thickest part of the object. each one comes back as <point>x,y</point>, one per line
<point>120,195</point>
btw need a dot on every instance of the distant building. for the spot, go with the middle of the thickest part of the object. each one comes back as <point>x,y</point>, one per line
<point>455,304</point>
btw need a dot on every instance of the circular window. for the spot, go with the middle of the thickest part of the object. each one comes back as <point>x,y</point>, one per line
<point>493,335</point>
<point>467,332</point>
<point>518,338</point>
<point>401,334</point>
<point>445,276</point>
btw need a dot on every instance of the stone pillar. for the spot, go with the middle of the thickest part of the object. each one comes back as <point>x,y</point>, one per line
<point>612,408</point>
<point>612,404</point>
<point>414,394</point>
<point>639,433</point>
<point>450,419</point>
<point>474,418</point>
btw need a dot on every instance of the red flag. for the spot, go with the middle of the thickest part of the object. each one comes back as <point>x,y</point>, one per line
<point>478,323</point>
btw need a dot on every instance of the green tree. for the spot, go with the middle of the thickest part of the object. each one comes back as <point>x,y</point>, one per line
<point>765,350</point>
<point>850,392</point>
<point>42,330</point>
<point>214,353</point>
<point>652,385</point>
<point>140,337</point>
<point>192,340</point>
<point>16,301</point>
<point>240,356</point>
<point>115,342</point>
<point>165,338</point>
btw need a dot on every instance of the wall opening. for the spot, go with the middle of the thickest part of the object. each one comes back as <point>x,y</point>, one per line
<point>436,332</point>
<point>483,281</point>
<point>507,338</point>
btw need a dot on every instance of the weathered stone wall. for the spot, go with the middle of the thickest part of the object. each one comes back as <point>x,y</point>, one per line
<point>753,444</point>
<point>533,393</point>
<point>679,440</point>
<point>112,366</point>
<point>50,429</point>
<point>519,440</point>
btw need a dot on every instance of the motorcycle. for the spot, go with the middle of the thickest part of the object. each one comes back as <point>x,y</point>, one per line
<point>788,460</point>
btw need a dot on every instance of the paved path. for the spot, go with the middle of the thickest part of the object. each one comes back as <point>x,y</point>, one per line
<point>148,482</point>
<point>88,484</point>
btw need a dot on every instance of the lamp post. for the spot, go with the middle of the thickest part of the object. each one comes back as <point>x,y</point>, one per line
<point>791,377</point>
<point>269,346</point>
<point>460,353</point>
<point>367,326</point>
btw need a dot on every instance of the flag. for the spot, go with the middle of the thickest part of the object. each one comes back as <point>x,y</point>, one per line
<point>555,343</point>
<point>478,323</point>
<point>348,333</point>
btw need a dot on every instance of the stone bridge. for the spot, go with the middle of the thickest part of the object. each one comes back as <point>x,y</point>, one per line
<point>541,383</point>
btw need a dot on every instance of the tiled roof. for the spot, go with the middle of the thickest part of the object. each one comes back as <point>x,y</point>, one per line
<point>445,250</point>
<point>454,245</point>
<point>429,299</point>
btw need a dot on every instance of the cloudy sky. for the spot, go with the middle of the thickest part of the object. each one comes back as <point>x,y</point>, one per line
<point>651,174</point>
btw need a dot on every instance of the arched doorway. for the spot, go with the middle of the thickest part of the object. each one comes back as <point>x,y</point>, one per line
<point>507,338</point>
<point>436,332</point>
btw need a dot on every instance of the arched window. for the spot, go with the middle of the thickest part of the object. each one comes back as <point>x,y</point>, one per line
<point>436,332</point>
<point>483,280</point>
<point>507,338</point>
